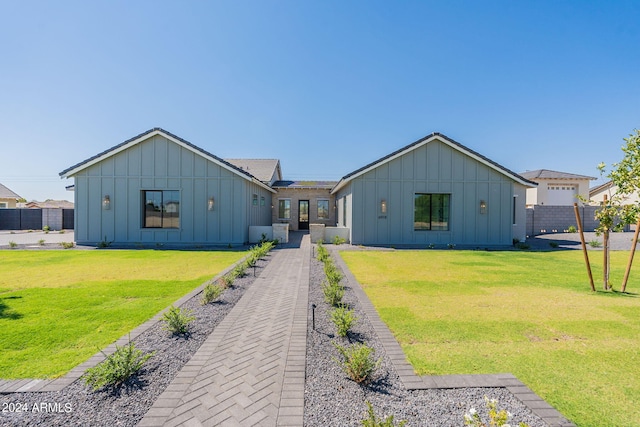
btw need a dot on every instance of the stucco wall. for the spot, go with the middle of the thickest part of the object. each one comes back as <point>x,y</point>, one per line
<point>160,164</point>
<point>297,194</point>
<point>540,194</point>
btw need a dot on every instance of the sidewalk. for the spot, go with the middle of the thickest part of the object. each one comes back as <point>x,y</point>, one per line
<point>251,369</point>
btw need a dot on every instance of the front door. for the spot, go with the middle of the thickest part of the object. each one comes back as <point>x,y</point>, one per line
<point>303,215</point>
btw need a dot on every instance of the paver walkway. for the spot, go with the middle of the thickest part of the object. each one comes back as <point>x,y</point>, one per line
<point>251,369</point>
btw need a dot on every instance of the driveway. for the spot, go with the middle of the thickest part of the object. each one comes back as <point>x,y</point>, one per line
<point>25,239</point>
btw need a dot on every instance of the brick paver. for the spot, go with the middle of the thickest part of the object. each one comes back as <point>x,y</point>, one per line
<point>251,369</point>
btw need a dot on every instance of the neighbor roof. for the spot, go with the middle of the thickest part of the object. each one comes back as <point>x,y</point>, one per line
<point>5,193</point>
<point>599,188</point>
<point>549,174</point>
<point>328,185</point>
<point>266,170</point>
<point>69,172</point>
<point>423,141</point>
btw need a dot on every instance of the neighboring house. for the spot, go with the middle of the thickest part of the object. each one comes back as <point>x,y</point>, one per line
<point>300,203</point>
<point>8,198</point>
<point>158,188</point>
<point>434,190</point>
<point>266,170</point>
<point>556,188</point>
<point>596,194</point>
<point>49,204</point>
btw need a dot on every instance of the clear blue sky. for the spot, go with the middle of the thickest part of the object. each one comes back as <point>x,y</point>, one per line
<point>325,86</point>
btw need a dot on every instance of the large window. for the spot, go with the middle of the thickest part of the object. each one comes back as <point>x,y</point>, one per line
<point>323,209</point>
<point>161,209</point>
<point>284,209</point>
<point>431,212</point>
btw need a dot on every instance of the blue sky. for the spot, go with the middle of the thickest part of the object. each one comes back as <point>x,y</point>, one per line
<point>325,86</point>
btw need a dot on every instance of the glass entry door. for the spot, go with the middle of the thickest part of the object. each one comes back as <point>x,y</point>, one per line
<point>303,215</point>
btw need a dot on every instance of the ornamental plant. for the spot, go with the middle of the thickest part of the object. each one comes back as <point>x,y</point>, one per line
<point>211,292</point>
<point>117,367</point>
<point>333,293</point>
<point>357,362</point>
<point>498,418</point>
<point>343,318</point>
<point>373,421</point>
<point>177,320</point>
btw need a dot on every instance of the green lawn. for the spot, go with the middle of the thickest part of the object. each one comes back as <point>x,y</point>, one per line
<point>528,313</point>
<point>57,308</point>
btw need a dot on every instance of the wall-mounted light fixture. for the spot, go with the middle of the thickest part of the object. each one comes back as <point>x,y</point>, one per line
<point>383,206</point>
<point>483,207</point>
<point>106,203</point>
<point>210,203</point>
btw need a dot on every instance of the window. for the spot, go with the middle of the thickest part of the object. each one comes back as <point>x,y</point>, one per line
<point>254,200</point>
<point>515,200</point>
<point>344,211</point>
<point>431,212</point>
<point>4,205</point>
<point>161,209</point>
<point>261,200</point>
<point>323,209</point>
<point>284,209</point>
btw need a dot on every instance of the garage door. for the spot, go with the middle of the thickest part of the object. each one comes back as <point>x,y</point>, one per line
<point>561,194</point>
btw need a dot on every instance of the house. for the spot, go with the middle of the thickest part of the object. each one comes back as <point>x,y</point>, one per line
<point>266,170</point>
<point>159,188</point>
<point>300,203</point>
<point>49,204</point>
<point>596,194</point>
<point>8,198</point>
<point>556,188</point>
<point>434,190</point>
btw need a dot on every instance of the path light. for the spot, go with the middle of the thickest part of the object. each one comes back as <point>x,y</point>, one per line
<point>483,207</point>
<point>313,316</point>
<point>106,203</point>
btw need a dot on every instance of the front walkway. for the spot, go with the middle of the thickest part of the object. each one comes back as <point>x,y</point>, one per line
<point>251,369</point>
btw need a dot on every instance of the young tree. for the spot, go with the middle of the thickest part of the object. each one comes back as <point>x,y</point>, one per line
<point>617,212</point>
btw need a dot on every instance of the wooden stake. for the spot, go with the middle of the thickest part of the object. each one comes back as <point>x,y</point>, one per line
<point>633,251</point>
<point>605,251</point>
<point>584,246</point>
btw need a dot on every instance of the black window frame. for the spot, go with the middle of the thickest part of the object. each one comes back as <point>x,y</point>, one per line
<point>168,219</point>
<point>434,208</point>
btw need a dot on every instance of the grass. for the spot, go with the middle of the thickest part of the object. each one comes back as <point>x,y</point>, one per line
<point>57,308</point>
<point>528,313</point>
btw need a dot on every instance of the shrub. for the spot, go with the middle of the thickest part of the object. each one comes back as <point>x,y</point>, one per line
<point>523,246</point>
<point>46,228</point>
<point>210,293</point>
<point>496,418</point>
<point>13,245</point>
<point>41,242</point>
<point>357,362</point>
<point>554,244</point>
<point>373,421</point>
<point>177,320</point>
<point>333,293</point>
<point>67,245</point>
<point>104,243</point>
<point>343,318</point>
<point>332,272</point>
<point>337,240</point>
<point>61,232</point>
<point>595,243</point>
<point>572,229</point>
<point>451,245</point>
<point>323,253</point>
<point>117,367</point>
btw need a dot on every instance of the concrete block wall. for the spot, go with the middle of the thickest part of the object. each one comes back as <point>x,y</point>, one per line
<point>52,218</point>
<point>543,219</point>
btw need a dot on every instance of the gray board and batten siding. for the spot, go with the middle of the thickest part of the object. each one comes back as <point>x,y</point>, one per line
<point>158,160</point>
<point>433,165</point>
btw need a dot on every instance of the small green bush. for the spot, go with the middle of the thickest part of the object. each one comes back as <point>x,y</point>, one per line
<point>177,320</point>
<point>332,272</point>
<point>337,240</point>
<point>13,245</point>
<point>117,367</point>
<point>373,421</point>
<point>572,229</point>
<point>46,228</point>
<point>554,244</point>
<point>211,292</point>
<point>333,293</point>
<point>41,242</point>
<point>595,243</point>
<point>343,318</point>
<point>523,246</point>
<point>323,253</point>
<point>67,245</point>
<point>357,363</point>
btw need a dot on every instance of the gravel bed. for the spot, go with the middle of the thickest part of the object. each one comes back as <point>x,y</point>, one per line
<point>78,405</point>
<point>331,399</point>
